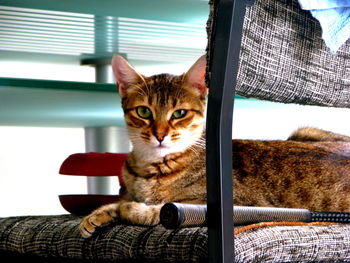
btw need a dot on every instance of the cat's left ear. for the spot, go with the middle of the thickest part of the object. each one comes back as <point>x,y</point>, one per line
<point>124,74</point>
<point>195,76</point>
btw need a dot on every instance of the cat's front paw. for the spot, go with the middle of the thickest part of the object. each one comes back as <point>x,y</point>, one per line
<point>98,218</point>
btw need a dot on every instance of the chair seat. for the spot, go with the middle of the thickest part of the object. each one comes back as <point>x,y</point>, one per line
<point>58,237</point>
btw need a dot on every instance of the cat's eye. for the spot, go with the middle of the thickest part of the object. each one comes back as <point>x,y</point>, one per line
<point>179,114</point>
<point>144,112</point>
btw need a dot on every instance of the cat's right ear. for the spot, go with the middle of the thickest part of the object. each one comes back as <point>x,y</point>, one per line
<point>124,74</point>
<point>195,76</point>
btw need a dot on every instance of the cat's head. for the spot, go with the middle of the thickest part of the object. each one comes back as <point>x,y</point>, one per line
<point>164,113</point>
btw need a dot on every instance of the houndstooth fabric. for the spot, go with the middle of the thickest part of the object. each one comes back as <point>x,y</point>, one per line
<point>283,57</point>
<point>59,237</point>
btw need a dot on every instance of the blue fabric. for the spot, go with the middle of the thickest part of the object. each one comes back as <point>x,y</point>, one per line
<point>334,18</point>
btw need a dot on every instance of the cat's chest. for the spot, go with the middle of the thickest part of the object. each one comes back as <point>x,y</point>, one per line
<point>183,186</point>
<point>152,190</point>
<point>173,179</point>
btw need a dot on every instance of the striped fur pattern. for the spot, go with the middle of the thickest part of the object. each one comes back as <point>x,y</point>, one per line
<point>165,117</point>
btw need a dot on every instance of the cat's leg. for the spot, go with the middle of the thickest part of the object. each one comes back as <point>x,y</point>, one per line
<point>310,134</point>
<point>120,212</point>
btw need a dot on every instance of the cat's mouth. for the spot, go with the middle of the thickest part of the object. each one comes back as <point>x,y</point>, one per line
<point>161,146</point>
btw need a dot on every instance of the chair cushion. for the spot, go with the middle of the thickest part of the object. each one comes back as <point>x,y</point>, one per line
<point>59,237</point>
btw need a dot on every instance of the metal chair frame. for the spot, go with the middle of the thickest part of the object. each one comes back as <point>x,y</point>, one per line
<point>224,63</point>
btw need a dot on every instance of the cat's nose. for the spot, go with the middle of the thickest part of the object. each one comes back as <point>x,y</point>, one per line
<point>160,136</point>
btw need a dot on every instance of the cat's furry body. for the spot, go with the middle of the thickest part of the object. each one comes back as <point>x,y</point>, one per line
<point>165,118</point>
<point>296,174</point>
<point>312,175</point>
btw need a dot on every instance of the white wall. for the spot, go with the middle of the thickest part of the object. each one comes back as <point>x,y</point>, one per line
<point>46,71</point>
<point>30,159</point>
<point>267,120</point>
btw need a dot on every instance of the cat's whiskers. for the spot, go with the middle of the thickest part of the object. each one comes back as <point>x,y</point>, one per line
<point>196,146</point>
<point>194,150</point>
<point>199,145</point>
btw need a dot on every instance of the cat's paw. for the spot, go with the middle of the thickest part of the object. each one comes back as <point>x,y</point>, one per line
<point>123,211</point>
<point>98,218</point>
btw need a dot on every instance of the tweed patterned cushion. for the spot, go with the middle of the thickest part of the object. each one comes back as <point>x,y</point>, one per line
<point>294,244</point>
<point>58,236</point>
<point>284,59</point>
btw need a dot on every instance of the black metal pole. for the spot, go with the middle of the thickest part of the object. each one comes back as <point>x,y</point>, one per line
<point>226,42</point>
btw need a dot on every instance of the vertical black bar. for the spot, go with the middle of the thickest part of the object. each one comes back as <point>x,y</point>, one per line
<point>223,66</point>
